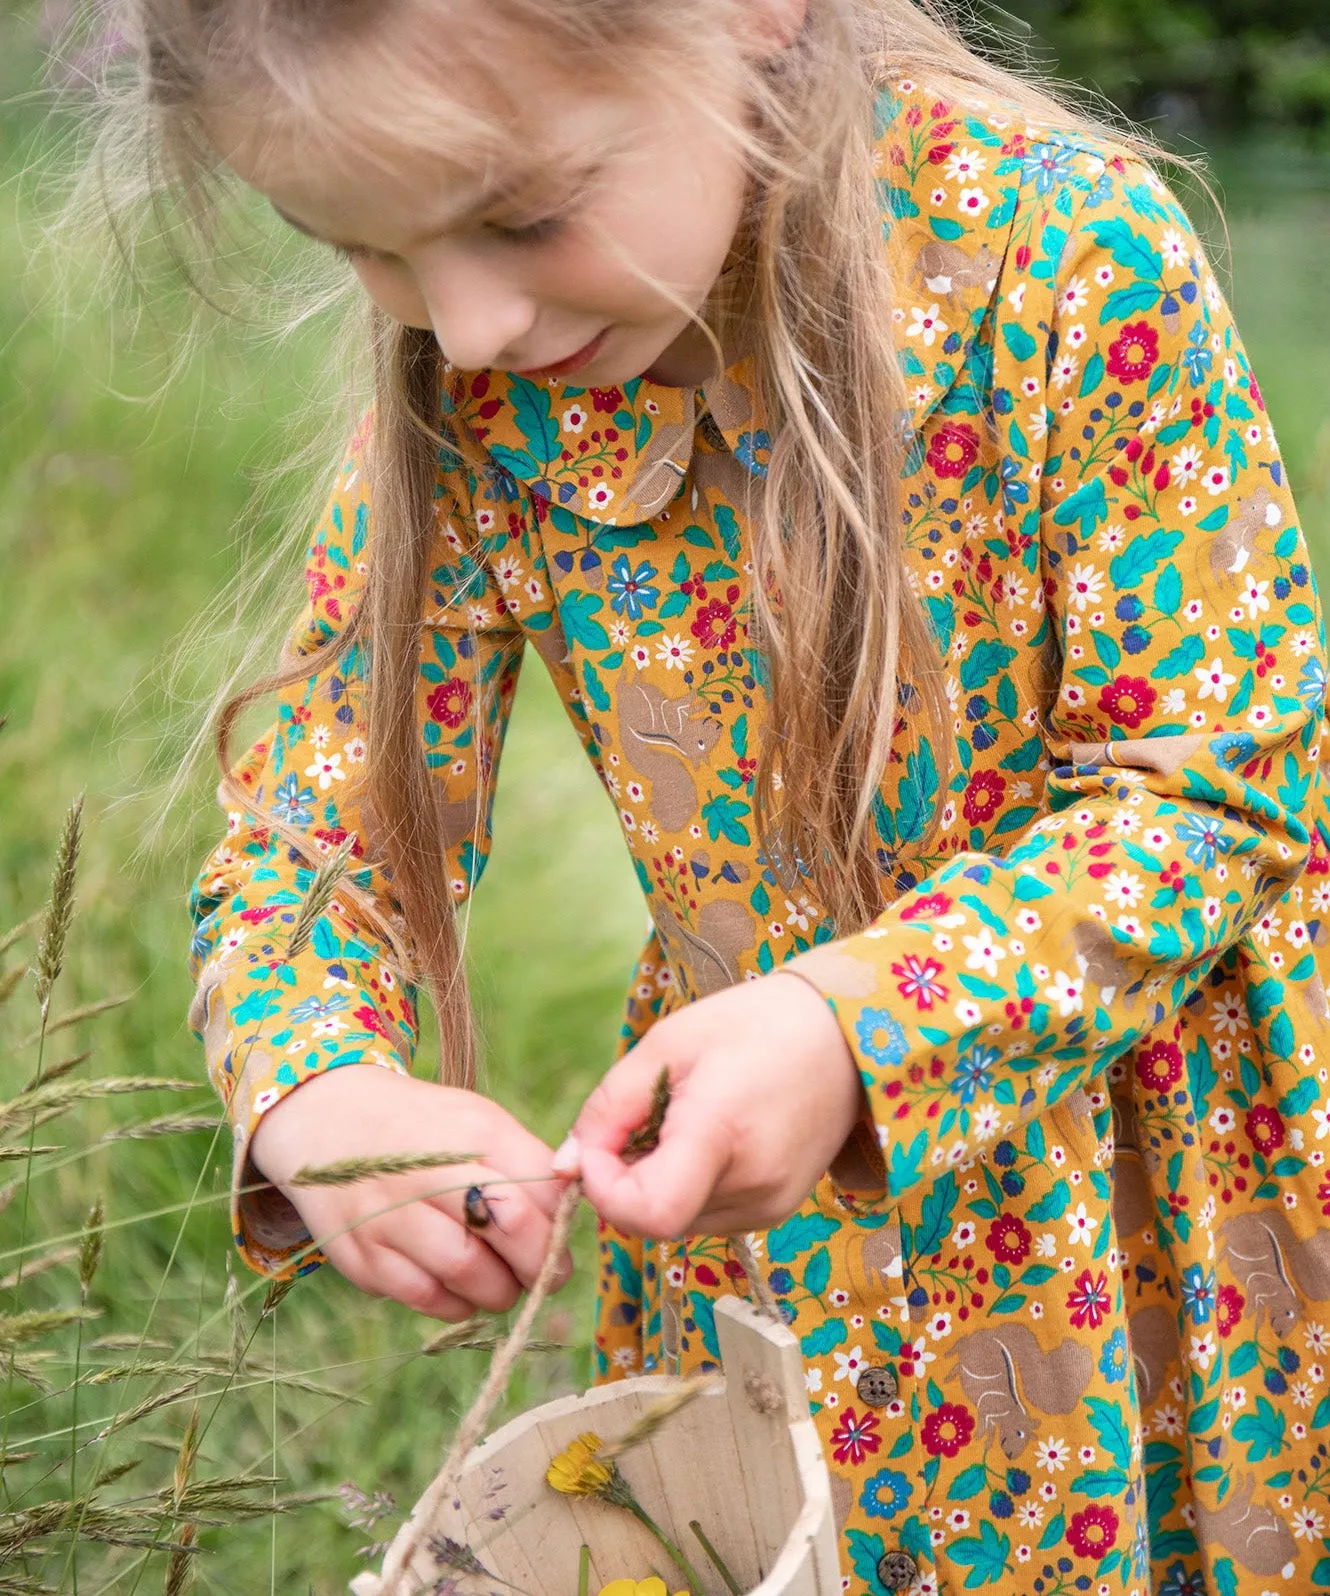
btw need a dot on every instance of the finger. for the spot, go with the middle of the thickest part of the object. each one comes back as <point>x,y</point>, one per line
<point>455,1256</point>
<point>662,1195</point>
<point>517,1228</point>
<point>381,1272</point>
<point>525,1157</point>
<point>621,1103</point>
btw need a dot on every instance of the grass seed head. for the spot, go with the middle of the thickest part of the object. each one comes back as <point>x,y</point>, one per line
<point>60,909</point>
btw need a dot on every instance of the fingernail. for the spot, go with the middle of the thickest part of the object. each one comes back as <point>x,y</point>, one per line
<point>568,1159</point>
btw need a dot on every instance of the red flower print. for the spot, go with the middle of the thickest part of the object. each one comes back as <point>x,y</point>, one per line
<point>1128,700</point>
<point>1134,354</point>
<point>1229,1303</point>
<point>983,796</point>
<point>954,449</point>
<point>1008,1239</point>
<point>926,908</point>
<point>1265,1128</point>
<point>1318,864</point>
<point>1089,1301</point>
<point>371,1019</point>
<point>1159,1066</point>
<point>918,979</point>
<point>1093,1531</point>
<point>606,400</point>
<point>450,702</point>
<point>715,626</point>
<point>947,1430</point>
<point>854,1438</point>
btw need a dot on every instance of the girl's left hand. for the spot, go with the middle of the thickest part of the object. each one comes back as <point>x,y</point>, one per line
<point>764,1094</point>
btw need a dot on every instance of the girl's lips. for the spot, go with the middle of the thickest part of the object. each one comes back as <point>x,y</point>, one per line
<point>565,368</point>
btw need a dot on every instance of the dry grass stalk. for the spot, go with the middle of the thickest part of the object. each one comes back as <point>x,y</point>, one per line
<point>118,1472</point>
<point>90,1247</point>
<point>658,1412</point>
<point>148,1369</point>
<point>46,1101</point>
<point>19,932</point>
<point>86,1011</point>
<point>59,910</point>
<point>30,1371</point>
<point>133,1415</point>
<point>9,982</point>
<point>127,1342</point>
<point>480,1341</point>
<point>12,1155</point>
<point>57,1071</point>
<point>24,1585</point>
<point>16,1329</point>
<point>235,1314</point>
<point>646,1138</point>
<point>272,1297</point>
<point>180,1569</point>
<point>318,897</point>
<point>349,1170</point>
<point>37,1266</point>
<point>163,1125</point>
<point>8,1459</point>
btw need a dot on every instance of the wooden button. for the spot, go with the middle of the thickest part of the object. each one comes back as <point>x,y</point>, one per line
<point>877,1386</point>
<point>897,1571</point>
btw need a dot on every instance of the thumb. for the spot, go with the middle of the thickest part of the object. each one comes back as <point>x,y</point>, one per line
<point>620,1105</point>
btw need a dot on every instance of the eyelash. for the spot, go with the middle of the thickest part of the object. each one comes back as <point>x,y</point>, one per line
<point>540,231</point>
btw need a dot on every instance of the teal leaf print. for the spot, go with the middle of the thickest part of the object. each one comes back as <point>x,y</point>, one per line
<point>704,1312</point>
<point>1130,302</point>
<point>1226,1577</point>
<point>625,1271</point>
<point>817,1343</point>
<point>1019,340</point>
<point>1109,1425</point>
<point>969,1482</point>
<point>577,611</point>
<point>986,1556</point>
<point>1128,249</point>
<point>918,793</point>
<point>1261,1432</point>
<point>934,1218</point>
<point>1168,591</point>
<point>535,419</point>
<point>596,693</point>
<point>724,818</point>
<point>1181,660</point>
<point>1087,507</point>
<point>1142,557</point>
<point>817,1273</point>
<point>1053,1204</point>
<point>799,1234</point>
<point>983,663</point>
<point>866,1552</point>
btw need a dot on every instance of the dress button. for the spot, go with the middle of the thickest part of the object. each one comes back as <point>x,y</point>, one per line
<point>877,1386</point>
<point>897,1571</point>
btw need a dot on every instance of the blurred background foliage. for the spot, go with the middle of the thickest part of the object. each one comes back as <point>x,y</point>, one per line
<point>1199,66</point>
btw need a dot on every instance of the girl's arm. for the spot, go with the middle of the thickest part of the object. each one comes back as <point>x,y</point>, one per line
<point>271,1021</point>
<point>1183,744</point>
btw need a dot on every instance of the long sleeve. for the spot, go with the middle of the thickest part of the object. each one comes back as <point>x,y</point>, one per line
<point>270,1021</point>
<point>1143,489</point>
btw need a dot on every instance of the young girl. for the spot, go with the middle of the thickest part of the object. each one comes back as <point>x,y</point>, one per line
<point>865,448</point>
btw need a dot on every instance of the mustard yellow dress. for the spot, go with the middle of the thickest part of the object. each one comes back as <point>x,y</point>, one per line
<point>1068,1328</point>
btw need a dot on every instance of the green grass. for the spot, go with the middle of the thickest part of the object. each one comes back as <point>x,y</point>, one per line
<point>117,528</point>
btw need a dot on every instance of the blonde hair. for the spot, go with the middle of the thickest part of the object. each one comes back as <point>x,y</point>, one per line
<point>854,667</point>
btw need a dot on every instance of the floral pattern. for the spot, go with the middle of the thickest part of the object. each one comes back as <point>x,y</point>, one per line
<point>1064,1300</point>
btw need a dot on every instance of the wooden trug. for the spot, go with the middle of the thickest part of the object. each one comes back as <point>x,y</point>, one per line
<point>743,1460</point>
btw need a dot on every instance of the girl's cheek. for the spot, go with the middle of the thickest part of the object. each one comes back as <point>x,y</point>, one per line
<point>393,291</point>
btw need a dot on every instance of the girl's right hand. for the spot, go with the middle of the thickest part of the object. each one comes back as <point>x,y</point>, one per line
<point>420,1251</point>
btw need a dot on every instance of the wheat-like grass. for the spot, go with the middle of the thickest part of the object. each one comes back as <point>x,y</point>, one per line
<point>349,1170</point>
<point>48,1100</point>
<point>59,910</point>
<point>318,897</point>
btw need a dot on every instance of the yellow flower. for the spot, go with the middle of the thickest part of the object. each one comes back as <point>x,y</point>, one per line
<point>576,1471</point>
<point>655,1586</point>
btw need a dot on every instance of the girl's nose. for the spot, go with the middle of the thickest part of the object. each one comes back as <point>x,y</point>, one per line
<point>479,315</point>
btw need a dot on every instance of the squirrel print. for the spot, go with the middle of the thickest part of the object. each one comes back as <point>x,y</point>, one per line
<point>946,269</point>
<point>666,740</point>
<point>1250,1533</point>
<point>1005,1373</point>
<point>1274,1268</point>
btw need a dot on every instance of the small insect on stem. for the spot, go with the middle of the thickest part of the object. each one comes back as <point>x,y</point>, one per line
<point>479,1208</point>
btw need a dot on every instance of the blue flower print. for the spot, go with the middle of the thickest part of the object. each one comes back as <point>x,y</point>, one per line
<point>885,1494</point>
<point>318,1008</point>
<point>1198,1292</point>
<point>1178,1582</point>
<point>1198,357</point>
<point>1205,838</point>
<point>1113,1359</point>
<point>753,450</point>
<point>880,1036</point>
<point>630,591</point>
<point>974,1072</point>
<point>1233,749</point>
<point>1047,165</point>
<point>291,801</point>
<point>1311,684</point>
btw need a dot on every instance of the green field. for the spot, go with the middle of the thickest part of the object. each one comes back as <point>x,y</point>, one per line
<point>118,518</point>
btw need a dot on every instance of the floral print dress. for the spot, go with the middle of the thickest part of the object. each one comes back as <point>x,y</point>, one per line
<point>1065,1303</point>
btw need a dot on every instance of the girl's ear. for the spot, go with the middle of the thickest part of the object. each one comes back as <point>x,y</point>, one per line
<point>766,27</point>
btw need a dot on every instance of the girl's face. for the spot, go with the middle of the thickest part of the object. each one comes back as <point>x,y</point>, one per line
<point>583,262</point>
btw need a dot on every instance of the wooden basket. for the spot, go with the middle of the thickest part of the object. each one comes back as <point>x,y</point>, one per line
<point>743,1460</point>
